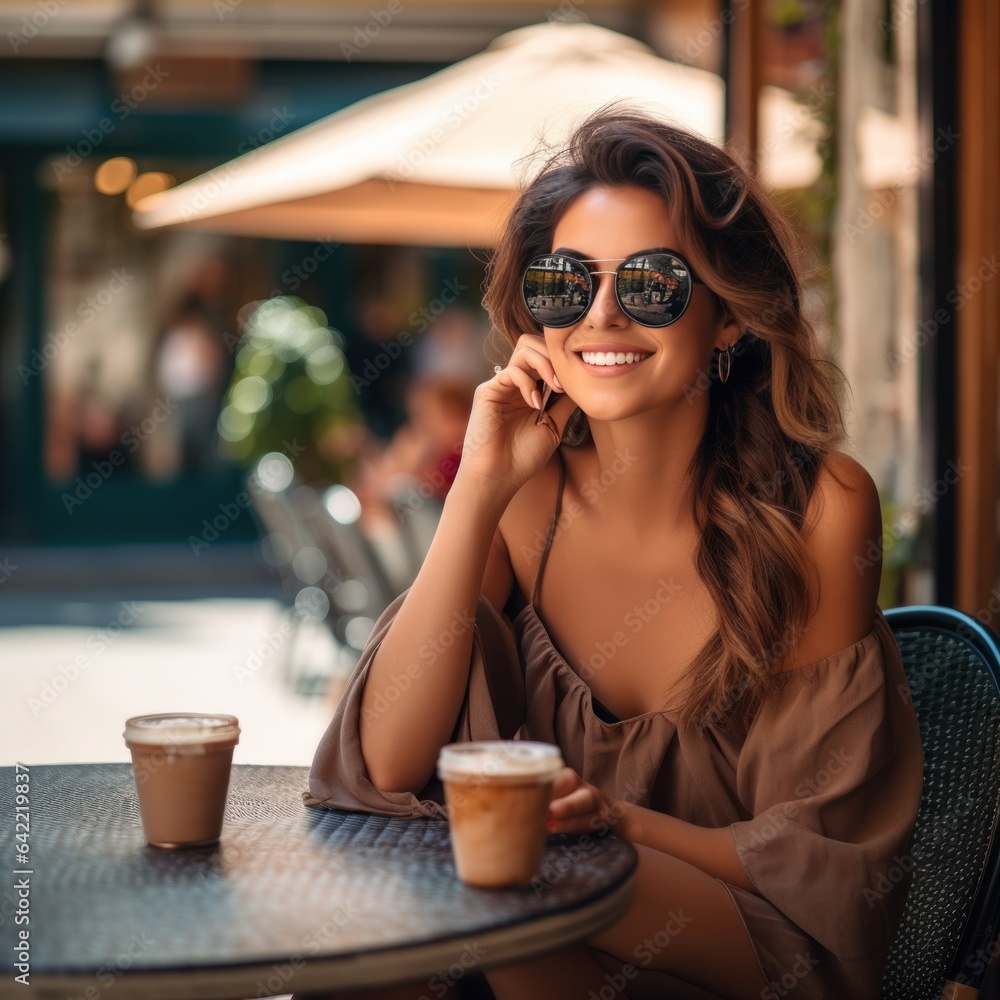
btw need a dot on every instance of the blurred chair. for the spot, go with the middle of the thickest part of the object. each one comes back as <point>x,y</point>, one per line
<point>948,933</point>
<point>326,567</point>
<point>418,519</point>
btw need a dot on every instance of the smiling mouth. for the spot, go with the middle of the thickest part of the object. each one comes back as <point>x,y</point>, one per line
<point>605,359</point>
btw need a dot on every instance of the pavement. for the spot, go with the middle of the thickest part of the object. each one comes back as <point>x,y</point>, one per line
<point>78,663</point>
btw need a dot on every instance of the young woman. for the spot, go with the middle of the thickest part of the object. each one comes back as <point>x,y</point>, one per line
<point>684,560</point>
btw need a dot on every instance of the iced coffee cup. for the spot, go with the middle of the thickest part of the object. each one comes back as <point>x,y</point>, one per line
<point>498,796</point>
<point>181,763</point>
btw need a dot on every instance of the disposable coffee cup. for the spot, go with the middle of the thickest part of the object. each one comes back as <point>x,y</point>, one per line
<point>181,763</point>
<point>498,795</point>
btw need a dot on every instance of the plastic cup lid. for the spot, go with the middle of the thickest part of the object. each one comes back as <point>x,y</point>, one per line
<point>181,728</point>
<point>503,758</point>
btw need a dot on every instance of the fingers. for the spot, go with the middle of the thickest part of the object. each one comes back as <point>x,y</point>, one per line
<point>531,354</point>
<point>566,780</point>
<point>519,378</point>
<point>534,354</point>
<point>574,813</point>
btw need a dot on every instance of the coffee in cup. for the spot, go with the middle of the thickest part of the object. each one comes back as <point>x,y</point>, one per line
<point>181,763</point>
<point>498,795</point>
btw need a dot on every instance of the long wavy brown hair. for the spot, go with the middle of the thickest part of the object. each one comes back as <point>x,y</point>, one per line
<point>769,424</point>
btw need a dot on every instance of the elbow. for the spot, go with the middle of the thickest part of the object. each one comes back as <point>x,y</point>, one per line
<point>389,777</point>
<point>390,781</point>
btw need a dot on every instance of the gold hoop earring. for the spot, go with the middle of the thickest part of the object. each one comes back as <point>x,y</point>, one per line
<point>728,355</point>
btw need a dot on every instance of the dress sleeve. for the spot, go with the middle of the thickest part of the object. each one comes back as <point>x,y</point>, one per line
<point>493,709</point>
<point>831,773</point>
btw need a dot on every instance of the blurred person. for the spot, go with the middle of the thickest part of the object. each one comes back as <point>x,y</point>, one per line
<point>424,453</point>
<point>452,347</point>
<point>403,485</point>
<point>191,370</point>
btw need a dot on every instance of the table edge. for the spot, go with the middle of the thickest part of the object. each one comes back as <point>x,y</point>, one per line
<point>385,967</point>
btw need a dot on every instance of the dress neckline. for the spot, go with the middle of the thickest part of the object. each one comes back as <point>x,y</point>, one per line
<point>805,670</point>
<point>563,664</point>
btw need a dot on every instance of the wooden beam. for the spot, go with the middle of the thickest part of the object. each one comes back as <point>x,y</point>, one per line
<point>743,59</point>
<point>977,305</point>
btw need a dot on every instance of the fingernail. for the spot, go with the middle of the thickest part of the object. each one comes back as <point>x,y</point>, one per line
<point>557,383</point>
<point>551,826</point>
<point>536,400</point>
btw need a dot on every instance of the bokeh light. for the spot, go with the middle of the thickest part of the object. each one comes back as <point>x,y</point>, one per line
<point>115,175</point>
<point>151,182</point>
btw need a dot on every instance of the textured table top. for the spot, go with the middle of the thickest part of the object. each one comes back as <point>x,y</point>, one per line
<point>293,898</point>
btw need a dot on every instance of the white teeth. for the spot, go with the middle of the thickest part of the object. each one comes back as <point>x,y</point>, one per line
<point>611,358</point>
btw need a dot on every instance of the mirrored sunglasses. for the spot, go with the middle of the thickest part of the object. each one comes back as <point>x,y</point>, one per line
<point>653,287</point>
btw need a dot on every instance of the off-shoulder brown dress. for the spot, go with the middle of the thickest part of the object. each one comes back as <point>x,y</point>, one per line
<point>820,789</point>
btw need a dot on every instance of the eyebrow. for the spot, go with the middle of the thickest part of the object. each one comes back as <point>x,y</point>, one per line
<point>573,253</point>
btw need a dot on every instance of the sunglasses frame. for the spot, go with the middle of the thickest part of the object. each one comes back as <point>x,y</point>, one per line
<point>695,280</point>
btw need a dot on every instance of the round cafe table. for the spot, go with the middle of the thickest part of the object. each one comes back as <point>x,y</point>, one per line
<point>293,899</point>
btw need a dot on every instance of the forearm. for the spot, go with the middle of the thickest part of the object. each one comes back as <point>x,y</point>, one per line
<point>429,647</point>
<point>710,849</point>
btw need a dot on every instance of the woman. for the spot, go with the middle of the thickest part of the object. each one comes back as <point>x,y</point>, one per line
<point>704,643</point>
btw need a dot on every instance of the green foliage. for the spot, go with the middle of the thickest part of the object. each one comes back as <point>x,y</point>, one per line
<point>290,391</point>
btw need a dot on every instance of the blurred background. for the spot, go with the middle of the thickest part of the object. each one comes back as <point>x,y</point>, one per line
<point>241,255</point>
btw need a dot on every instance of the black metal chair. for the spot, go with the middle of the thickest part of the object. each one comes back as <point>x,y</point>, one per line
<point>949,929</point>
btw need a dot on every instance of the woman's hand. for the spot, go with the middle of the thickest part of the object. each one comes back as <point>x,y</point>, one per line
<point>579,807</point>
<point>503,443</point>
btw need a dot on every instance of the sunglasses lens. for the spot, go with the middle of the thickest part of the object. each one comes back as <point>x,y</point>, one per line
<point>654,289</point>
<point>557,290</point>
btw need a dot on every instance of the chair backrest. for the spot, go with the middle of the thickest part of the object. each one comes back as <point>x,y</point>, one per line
<point>949,923</point>
<point>327,569</point>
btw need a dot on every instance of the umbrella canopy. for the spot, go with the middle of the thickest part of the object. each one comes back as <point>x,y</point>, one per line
<point>438,162</point>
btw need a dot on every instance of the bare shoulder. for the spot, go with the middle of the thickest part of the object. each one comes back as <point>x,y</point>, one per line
<point>842,532</point>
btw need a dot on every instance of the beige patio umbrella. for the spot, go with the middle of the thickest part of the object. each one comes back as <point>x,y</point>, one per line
<point>438,162</point>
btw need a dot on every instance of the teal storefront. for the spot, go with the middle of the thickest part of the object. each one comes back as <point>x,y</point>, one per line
<point>117,345</point>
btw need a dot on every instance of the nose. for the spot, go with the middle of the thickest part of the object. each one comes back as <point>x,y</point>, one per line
<point>604,310</point>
